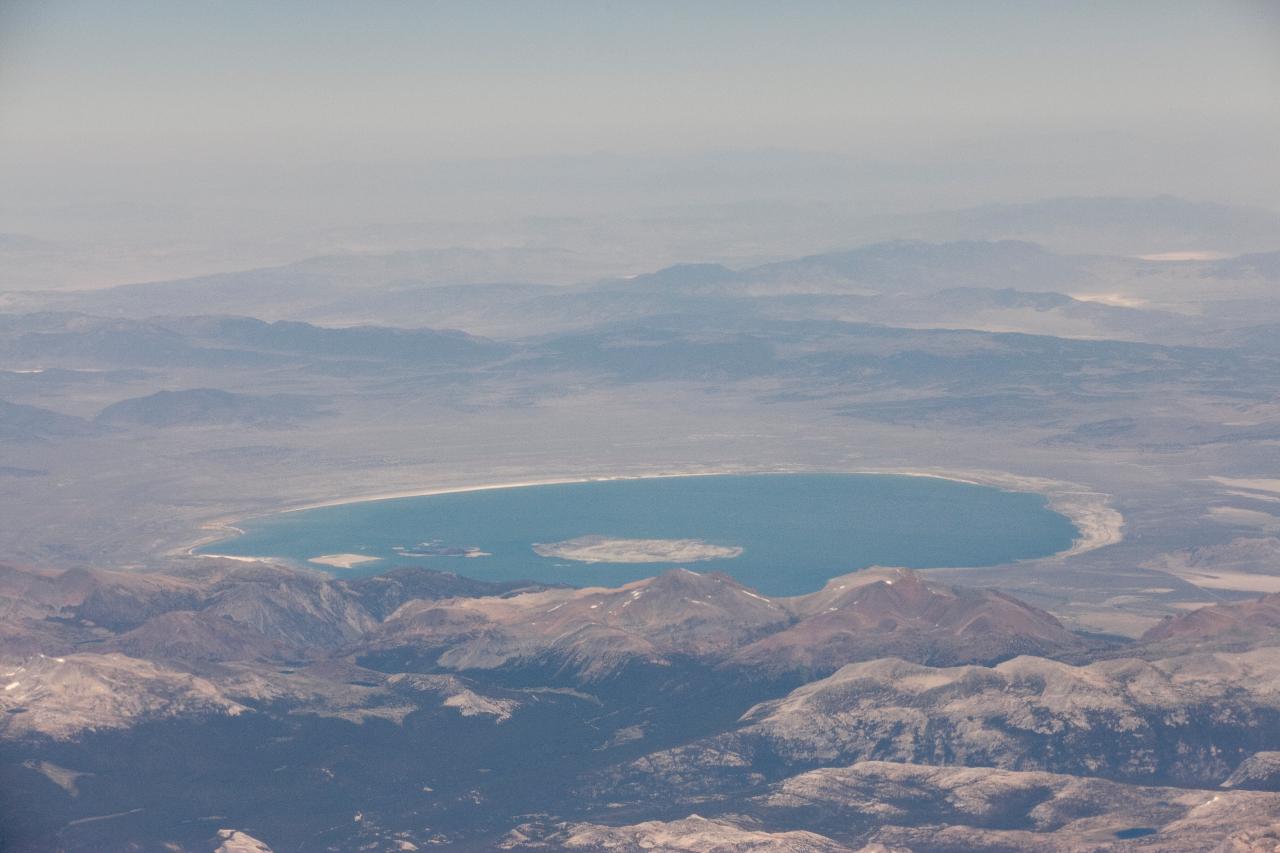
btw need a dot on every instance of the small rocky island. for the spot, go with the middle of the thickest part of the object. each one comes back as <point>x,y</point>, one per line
<point>434,548</point>
<point>605,549</point>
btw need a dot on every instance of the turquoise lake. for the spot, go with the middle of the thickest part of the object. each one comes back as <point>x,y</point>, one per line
<point>795,531</point>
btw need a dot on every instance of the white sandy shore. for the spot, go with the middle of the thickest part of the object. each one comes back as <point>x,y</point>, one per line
<point>520,484</point>
<point>1235,581</point>
<point>1098,523</point>
<point>235,557</point>
<point>1265,487</point>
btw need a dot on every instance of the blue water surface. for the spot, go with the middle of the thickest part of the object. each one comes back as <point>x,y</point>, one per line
<point>796,530</point>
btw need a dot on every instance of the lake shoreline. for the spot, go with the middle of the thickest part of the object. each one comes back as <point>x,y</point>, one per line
<point>1097,523</point>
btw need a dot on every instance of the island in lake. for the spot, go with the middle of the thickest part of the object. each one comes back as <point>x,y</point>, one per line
<point>605,549</point>
<point>434,548</point>
<point>343,561</point>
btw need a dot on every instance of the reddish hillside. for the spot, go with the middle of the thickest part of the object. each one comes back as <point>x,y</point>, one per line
<point>883,612</point>
<point>1246,621</point>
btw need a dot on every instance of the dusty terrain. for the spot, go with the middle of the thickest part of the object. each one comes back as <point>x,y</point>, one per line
<point>1117,696</point>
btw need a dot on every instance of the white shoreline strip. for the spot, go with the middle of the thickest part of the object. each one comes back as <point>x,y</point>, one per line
<point>1099,523</point>
<point>561,481</point>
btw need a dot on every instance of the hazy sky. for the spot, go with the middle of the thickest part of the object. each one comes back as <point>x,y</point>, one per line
<point>987,100</point>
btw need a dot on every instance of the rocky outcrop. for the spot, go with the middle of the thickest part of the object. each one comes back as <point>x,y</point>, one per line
<point>891,807</point>
<point>1185,720</point>
<point>696,835</point>
<point>69,697</point>
<point>64,696</point>
<point>1059,812</point>
<point>235,841</point>
<point>1258,772</point>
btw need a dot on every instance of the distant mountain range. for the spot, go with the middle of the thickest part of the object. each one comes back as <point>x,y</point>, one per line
<point>937,375</point>
<point>31,423</point>
<point>1005,285</point>
<point>565,249</point>
<point>209,406</point>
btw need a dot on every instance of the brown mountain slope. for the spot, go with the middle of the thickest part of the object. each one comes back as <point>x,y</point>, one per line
<point>883,612</point>
<point>591,630</point>
<point>246,611</point>
<point>717,620</point>
<point>1245,622</point>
